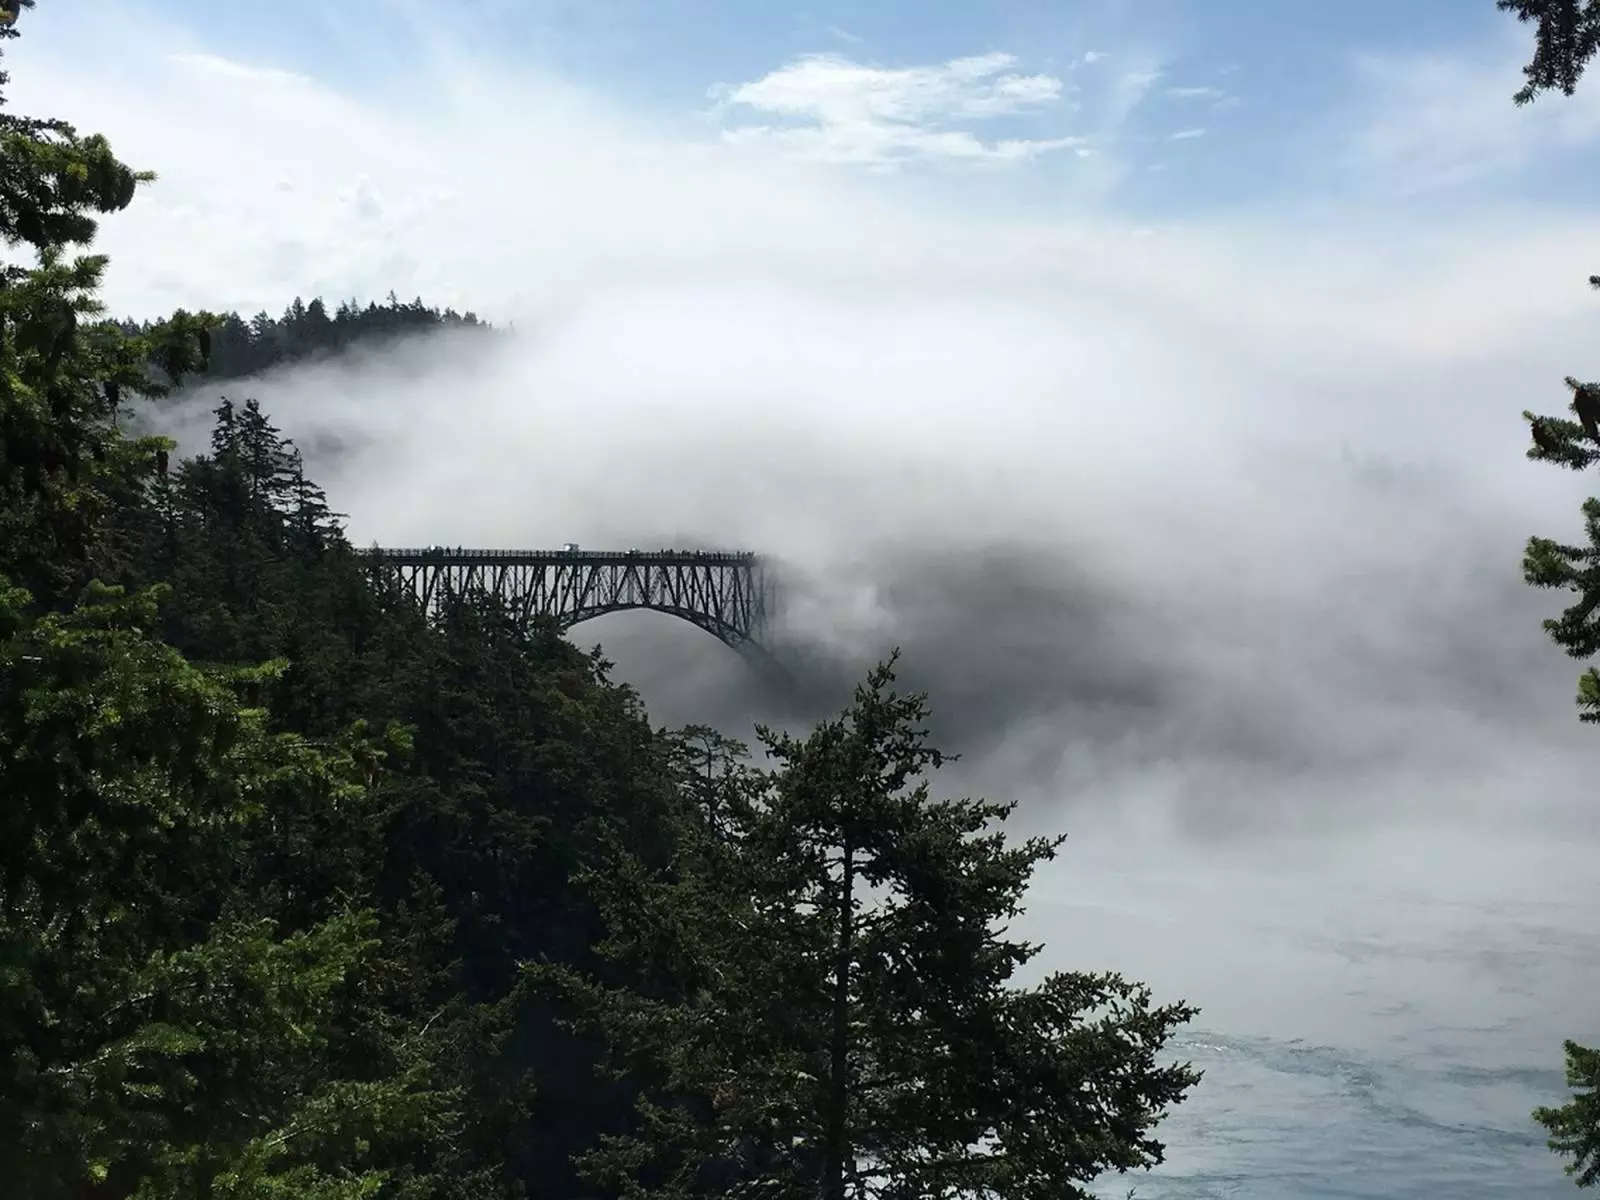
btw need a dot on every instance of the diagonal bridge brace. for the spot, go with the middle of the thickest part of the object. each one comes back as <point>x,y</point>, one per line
<point>726,593</point>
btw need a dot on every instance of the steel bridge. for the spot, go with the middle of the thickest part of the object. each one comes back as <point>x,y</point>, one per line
<point>726,593</point>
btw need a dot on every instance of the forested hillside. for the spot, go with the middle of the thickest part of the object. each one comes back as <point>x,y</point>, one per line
<point>305,895</point>
<point>243,347</point>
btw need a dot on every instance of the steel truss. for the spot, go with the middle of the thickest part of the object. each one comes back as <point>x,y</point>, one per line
<point>726,593</point>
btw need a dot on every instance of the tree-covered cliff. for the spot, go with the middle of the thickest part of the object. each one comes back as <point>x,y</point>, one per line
<point>305,894</point>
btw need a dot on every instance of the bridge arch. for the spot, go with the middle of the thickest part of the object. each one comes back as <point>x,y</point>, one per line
<point>726,593</point>
<point>755,653</point>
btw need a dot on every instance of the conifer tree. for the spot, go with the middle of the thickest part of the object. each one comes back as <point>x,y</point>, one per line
<point>64,372</point>
<point>181,1012</point>
<point>1573,442</point>
<point>845,1020</point>
<point>1567,38</point>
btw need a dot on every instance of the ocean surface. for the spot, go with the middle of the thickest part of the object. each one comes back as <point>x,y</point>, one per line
<point>1376,1023</point>
<point>1281,1120</point>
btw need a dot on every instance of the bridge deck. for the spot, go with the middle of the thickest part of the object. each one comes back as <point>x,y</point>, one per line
<point>725,592</point>
<point>462,556</point>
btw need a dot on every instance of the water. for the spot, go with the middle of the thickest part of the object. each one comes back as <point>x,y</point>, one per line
<point>1283,1120</point>
<point>1382,1010</point>
<point>1375,1024</point>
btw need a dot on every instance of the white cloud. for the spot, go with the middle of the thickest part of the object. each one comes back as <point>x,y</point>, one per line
<point>837,110</point>
<point>1184,135</point>
<point>1195,93</point>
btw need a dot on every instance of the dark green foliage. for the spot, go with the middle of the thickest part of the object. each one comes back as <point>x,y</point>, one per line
<point>521,757</point>
<point>1568,37</point>
<point>64,370</point>
<point>177,1018</point>
<point>241,347</point>
<point>1574,443</point>
<point>1567,34</point>
<point>1575,1127</point>
<point>843,1012</point>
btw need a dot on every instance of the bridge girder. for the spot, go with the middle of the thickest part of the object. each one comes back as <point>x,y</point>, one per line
<point>725,593</point>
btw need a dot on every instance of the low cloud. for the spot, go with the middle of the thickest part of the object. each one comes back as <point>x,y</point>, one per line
<point>1211,524</point>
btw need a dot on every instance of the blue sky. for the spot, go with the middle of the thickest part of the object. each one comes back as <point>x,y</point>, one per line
<point>1258,88</point>
<point>464,149</point>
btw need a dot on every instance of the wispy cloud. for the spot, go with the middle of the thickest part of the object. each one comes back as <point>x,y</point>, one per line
<point>1117,102</point>
<point>830,107</point>
<point>1434,121</point>
<point>1204,96</point>
<point>1185,135</point>
<point>1130,90</point>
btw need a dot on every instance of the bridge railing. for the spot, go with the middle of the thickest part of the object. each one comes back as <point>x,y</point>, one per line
<point>728,593</point>
<point>463,555</point>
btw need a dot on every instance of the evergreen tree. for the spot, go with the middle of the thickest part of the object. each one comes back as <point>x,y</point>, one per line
<point>846,1022</point>
<point>250,948</point>
<point>1567,38</point>
<point>1567,35</point>
<point>1574,442</point>
<point>176,1021</point>
<point>523,756</point>
<point>307,333</point>
<point>196,997</point>
<point>64,374</point>
<point>1574,1127</point>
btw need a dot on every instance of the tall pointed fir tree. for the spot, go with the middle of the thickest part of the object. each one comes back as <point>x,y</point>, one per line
<point>173,1022</point>
<point>845,1021</point>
